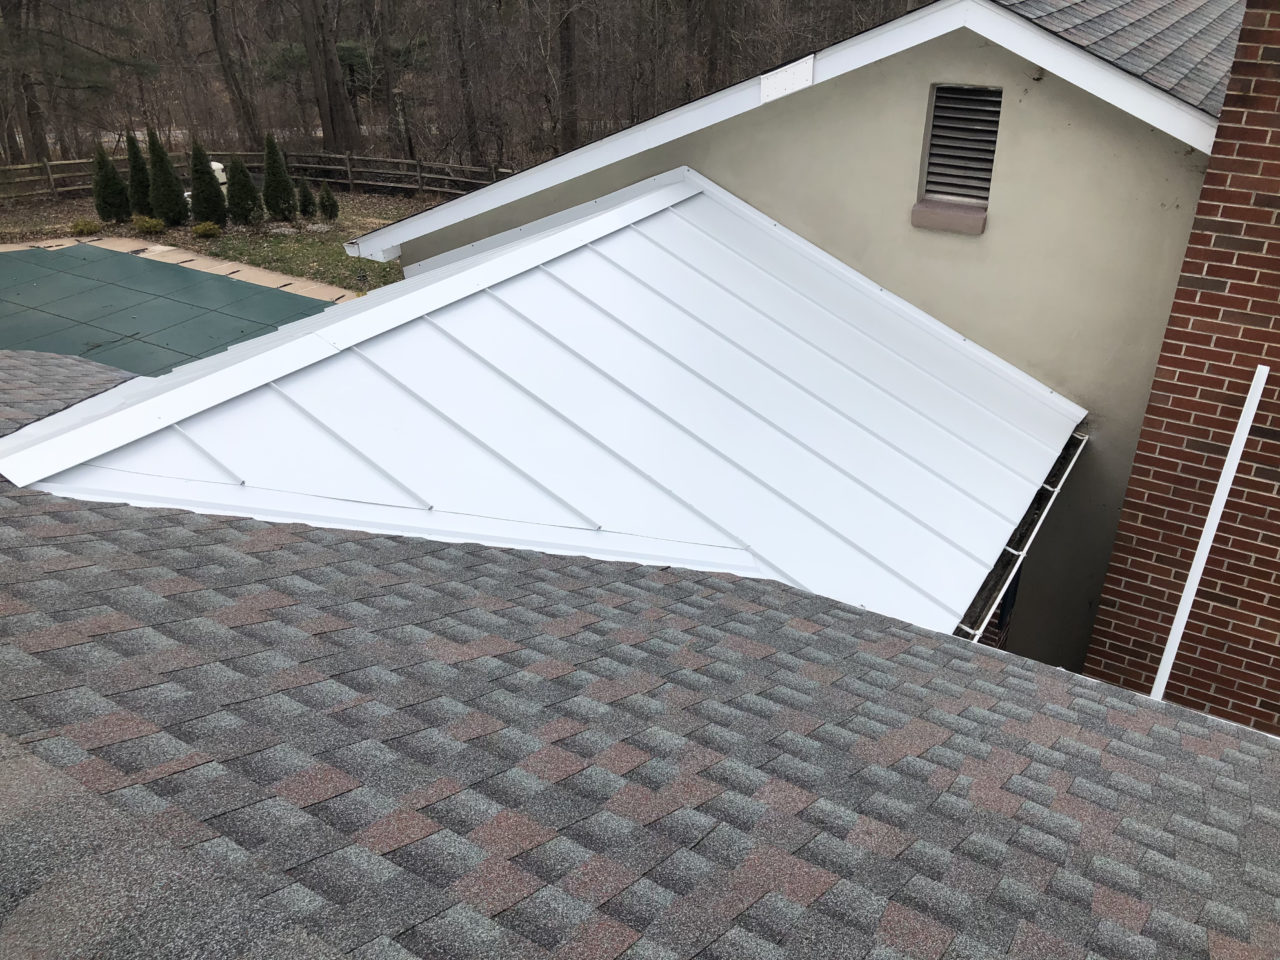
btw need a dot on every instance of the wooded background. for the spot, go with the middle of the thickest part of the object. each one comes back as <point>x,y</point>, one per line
<point>486,82</point>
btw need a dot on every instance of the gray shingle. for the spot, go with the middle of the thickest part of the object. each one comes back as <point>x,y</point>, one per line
<point>1184,47</point>
<point>398,805</point>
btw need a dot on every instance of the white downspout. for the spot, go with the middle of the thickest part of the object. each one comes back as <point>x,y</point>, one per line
<point>1210,530</point>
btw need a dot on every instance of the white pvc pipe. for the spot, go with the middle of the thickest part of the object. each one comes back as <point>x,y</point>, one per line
<point>1210,530</point>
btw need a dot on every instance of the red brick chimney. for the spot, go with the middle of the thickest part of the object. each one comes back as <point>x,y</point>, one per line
<point>1225,321</point>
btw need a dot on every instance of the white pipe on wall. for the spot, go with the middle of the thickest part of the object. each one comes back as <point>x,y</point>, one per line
<point>1210,530</point>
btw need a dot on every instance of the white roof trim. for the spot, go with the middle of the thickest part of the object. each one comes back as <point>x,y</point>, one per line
<point>997,24</point>
<point>787,80</point>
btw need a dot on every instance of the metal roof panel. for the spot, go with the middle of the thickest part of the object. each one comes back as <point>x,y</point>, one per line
<point>672,378</point>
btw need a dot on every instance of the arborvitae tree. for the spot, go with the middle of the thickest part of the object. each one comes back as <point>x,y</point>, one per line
<point>277,189</point>
<point>306,201</point>
<point>328,203</point>
<point>242,196</point>
<point>110,195</point>
<point>208,205</point>
<point>139,180</point>
<point>167,200</point>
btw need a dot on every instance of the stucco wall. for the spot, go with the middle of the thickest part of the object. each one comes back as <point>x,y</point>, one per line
<point>1072,281</point>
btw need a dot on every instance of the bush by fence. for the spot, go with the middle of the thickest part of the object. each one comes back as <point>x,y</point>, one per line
<point>72,178</point>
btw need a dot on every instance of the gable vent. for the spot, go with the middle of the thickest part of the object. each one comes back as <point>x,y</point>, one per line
<point>962,143</point>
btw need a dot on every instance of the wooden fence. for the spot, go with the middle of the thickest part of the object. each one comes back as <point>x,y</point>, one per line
<point>69,178</point>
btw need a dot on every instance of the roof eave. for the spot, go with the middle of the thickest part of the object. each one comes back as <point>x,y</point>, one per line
<point>360,247</point>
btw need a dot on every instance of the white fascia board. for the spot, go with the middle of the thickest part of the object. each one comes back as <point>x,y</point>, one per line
<point>990,21</point>
<point>898,35</point>
<point>384,244</point>
<point>611,203</point>
<point>381,254</point>
<point>144,405</point>
<point>787,80</point>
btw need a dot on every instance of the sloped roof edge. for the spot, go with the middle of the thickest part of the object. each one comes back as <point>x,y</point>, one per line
<point>1009,30</point>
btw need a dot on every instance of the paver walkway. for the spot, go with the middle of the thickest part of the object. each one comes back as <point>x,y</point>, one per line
<point>144,309</point>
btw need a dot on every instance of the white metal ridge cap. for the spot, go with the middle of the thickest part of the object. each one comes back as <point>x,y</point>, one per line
<point>547,239</point>
<point>643,190</point>
<point>141,406</point>
<point>1003,27</point>
<point>936,19</point>
<point>1071,412</point>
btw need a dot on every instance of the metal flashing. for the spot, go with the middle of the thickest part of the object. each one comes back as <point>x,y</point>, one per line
<point>785,80</point>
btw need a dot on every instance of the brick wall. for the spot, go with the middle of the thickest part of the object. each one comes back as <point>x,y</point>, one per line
<point>1225,320</point>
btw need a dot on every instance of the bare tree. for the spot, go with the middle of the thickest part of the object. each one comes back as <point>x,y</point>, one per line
<point>245,109</point>
<point>19,19</point>
<point>461,49</point>
<point>338,125</point>
<point>566,41</point>
<point>481,81</point>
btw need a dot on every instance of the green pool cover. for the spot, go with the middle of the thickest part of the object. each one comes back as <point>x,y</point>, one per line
<point>139,315</point>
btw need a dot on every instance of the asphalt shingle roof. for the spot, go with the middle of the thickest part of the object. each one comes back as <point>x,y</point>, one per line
<point>1184,47</point>
<point>226,738</point>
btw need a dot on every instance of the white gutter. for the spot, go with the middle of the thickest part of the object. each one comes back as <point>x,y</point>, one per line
<point>976,634</point>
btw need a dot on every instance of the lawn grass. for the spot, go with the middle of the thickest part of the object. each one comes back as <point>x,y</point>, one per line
<point>317,256</point>
<point>300,253</point>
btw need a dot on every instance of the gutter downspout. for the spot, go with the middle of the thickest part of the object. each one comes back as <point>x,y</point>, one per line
<point>1210,531</point>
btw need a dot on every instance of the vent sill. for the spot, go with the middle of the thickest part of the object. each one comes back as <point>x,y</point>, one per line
<point>950,216</point>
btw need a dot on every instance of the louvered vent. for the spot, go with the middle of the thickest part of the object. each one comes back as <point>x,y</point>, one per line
<point>962,143</point>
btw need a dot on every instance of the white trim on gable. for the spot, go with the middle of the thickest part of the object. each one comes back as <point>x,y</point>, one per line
<point>996,24</point>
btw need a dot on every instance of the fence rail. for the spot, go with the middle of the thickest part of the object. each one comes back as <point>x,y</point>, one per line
<point>58,178</point>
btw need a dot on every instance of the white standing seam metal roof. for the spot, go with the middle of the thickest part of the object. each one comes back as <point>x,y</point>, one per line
<point>664,375</point>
